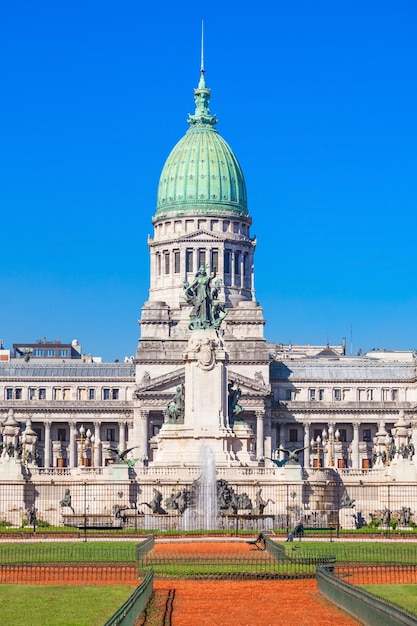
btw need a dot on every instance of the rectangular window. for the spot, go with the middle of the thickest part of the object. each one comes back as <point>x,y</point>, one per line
<point>64,353</point>
<point>66,394</point>
<point>106,394</point>
<point>91,394</point>
<point>214,260</point>
<point>288,394</point>
<point>337,395</point>
<point>9,393</point>
<point>227,261</point>
<point>32,393</point>
<point>57,394</point>
<point>321,394</point>
<point>394,395</point>
<point>49,352</point>
<point>166,261</point>
<point>293,435</point>
<point>201,258</point>
<point>370,394</point>
<point>176,261</point>
<point>237,263</point>
<point>18,394</point>
<point>114,394</point>
<point>62,433</point>
<point>110,434</point>
<point>312,394</point>
<point>37,352</point>
<point>366,435</point>
<point>42,393</point>
<point>158,264</point>
<point>189,261</point>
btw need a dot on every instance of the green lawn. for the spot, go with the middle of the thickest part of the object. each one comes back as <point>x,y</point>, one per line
<point>355,552</point>
<point>71,552</point>
<point>403,595</point>
<point>32,605</point>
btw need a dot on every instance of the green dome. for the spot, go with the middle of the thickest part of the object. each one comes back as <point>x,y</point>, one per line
<point>201,175</point>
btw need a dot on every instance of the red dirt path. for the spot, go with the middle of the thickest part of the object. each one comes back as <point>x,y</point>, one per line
<point>68,575</point>
<point>254,603</point>
<point>244,603</point>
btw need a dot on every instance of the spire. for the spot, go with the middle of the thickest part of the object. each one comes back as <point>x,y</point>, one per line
<point>202,83</point>
<point>202,114</point>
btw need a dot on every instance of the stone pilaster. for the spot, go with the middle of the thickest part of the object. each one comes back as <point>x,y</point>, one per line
<point>260,451</point>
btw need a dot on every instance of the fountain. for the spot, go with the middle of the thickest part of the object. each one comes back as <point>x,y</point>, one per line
<point>202,515</point>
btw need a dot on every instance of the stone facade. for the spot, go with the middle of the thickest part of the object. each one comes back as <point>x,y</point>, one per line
<point>350,418</point>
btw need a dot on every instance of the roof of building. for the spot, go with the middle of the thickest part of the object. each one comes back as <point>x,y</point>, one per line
<point>67,370</point>
<point>322,369</point>
<point>201,176</point>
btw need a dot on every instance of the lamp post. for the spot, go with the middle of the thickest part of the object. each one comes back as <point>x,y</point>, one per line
<point>316,448</point>
<point>81,442</point>
<point>331,440</point>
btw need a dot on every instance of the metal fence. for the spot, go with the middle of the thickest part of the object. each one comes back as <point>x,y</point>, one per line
<point>387,509</point>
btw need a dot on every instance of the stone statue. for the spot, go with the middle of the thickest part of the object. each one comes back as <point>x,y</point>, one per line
<point>293,454</point>
<point>179,501</point>
<point>120,456</point>
<point>234,394</point>
<point>405,516</point>
<point>207,312</point>
<point>260,503</point>
<point>346,502</point>
<point>155,503</point>
<point>386,517</point>
<point>31,515</point>
<point>175,409</point>
<point>66,500</point>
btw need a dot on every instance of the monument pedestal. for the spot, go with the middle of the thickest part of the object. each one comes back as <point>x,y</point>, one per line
<point>205,421</point>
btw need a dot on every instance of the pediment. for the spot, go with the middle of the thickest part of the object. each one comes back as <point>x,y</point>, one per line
<point>202,235</point>
<point>249,386</point>
<point>161,384</point>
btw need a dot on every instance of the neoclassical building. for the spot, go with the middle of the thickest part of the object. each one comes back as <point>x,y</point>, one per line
<point>336,409</point>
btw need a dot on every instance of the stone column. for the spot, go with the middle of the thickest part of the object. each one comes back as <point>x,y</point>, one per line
<point>268,436</point>
<point>260,454</point>
<point>252,280</point>
<point>143,433</point>
<point>97,458</point>
<point>220,269</point>
<point>355,446</point>
<point>47,444</point>
<point>122,435</point>
<point>242,267</point>
<point>183,269</point>
<point>72,448</point>
<point>273,437</point>
<point>307,444</point>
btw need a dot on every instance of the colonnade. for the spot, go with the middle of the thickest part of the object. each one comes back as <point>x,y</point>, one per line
<point>80,445</point>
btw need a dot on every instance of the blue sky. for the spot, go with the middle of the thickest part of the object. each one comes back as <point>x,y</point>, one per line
<point>318,101</point>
